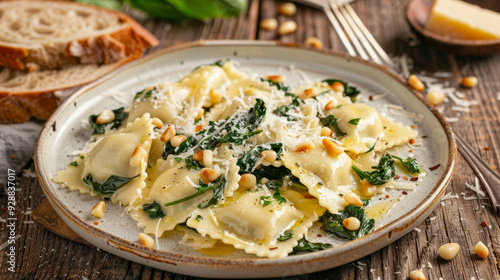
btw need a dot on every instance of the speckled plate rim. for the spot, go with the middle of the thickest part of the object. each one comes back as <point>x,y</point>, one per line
<point>232,268</point>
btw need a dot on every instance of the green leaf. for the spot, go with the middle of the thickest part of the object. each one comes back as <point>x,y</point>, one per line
<point>249,159</point>
<point>322,93</point>
<point>73,163</point>
<point>275,186</point>
<point>349,91</point>
<point>332,223</point>
<point>354,121</point>
<point>120,116</point>
<point>82,157</point>
<point>221,62</point>
<point>203,9</point>
<point>108,4</point>
<point>306,246</point>
<point>271,172</point>
<point>409,164</point>
<point>285,110</point>
<point>382,173</point>
<point>331,122</point>
<point>217,186</point>
<point>192,164</point>
<point>143,94</point>
<point>154,210</point>
<point>287,234</point>
<point>199,218</point>
<point>372,147</point>
<point>110,186</point>
<point>158,9</point>
<point>265,200</point>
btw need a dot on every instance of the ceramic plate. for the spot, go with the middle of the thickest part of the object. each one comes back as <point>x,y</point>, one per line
<point>64,136</point>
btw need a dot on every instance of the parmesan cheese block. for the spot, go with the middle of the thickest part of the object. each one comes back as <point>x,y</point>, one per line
<point>462,20</point>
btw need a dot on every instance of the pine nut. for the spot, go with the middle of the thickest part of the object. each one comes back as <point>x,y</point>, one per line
<point>208,158</point>
<point>481,250</point>
<point>331,104</point>
<point>449,251</point>
<point>248,181</point>
<point>415,83</point>
<point>326,132</point>
<point>313,42</point>
<point>276,78</point>
<point>106,116</point>
<point>177,140</point>
<point>146,240</point>
<point>338,87</point>
<point>168,134</point>
<point>98,210</point>
<point>198,156</point>
<point>351,223</point>
<point>269,24</point>
<point>288,9</point>
<point>157,122</point>
<point>435,97</point>
<point>469,82</point>
<point>368,189</point>
<point>198,128</point>
<point>135,160</point>
<point>208,175</point>
<point>287,27</point>
<point>304,147</point>
<point>332,148</point>
<point>215,97</point>
<point>417,275</point>
<point>269,155</point>
<point>309,93</point>
<point>352,198</point>
<point>199,114</point>
<point>264,180</point>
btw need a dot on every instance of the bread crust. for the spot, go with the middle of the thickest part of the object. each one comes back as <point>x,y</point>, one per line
<point>131,40</point>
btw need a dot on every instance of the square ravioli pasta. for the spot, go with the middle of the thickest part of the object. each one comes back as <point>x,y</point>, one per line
<point>225,157</point>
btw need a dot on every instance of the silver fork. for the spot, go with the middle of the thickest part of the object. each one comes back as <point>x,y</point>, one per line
<point>349,27</point>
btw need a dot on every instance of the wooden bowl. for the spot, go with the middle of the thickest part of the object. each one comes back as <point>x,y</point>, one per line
<point>417,13</point>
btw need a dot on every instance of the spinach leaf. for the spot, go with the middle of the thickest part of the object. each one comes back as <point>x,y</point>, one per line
<point>199,218</point>
<point>192,164</point>
<point>275,186</point>
<point>284,111</point>
<point>248,160</point>
<point>110,186</point>
<point>322,93</point>
<point>143,94</point>
<point>410,164</point>
<point>350,91</point>
<point>231,130</point>
<point>73,163</point>
<point>354,121</point>
<point>108,4</point>
<point>281,86</point>
<point>332,223</point>
<point>154,210</point>
<point>382,173</point>
<point>306,246</point>
<point>221,62</point>
<point>287,234</point>
<point>372,147</point>
<point>331,122</point>
<point>168,150</point>
<point>271,172</point>
<point>217,186</point>
<point>265,200</point>
<point>120,116</point>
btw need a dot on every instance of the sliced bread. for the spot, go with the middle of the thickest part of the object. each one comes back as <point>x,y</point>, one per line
<point>42,35</point>
<point>38,93</point>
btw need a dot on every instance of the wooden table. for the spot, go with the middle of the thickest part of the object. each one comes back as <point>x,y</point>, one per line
<point>45,255</point>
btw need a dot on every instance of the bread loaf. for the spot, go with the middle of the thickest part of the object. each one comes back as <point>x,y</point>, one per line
<point>50,46</point>
<point>40,35</point>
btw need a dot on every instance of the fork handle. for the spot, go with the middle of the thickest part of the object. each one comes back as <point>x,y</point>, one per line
<point>489,178</point>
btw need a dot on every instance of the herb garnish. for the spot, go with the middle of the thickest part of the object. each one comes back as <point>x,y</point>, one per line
<point>221,62</point>
<point>354,121</point>
<point>110,186</point>
<point>144,94</point>
<point>410,164</point>
<point>249,159</point>
<point>199,218</point>
<point>331,122</point>
<point>332,223</point>
<point>265,200</point>
<point>372,147</point>
<point>154,210</point>
<point>192,164</point>
<point>275,186</point>
<point>287,234</point>
<point>120,116</point>
<point>350,91</point>
<point>306,246</point>
<point>217,186</point>
<point>73,163</point>
<point>231,130</point>
<point>382,173</point>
